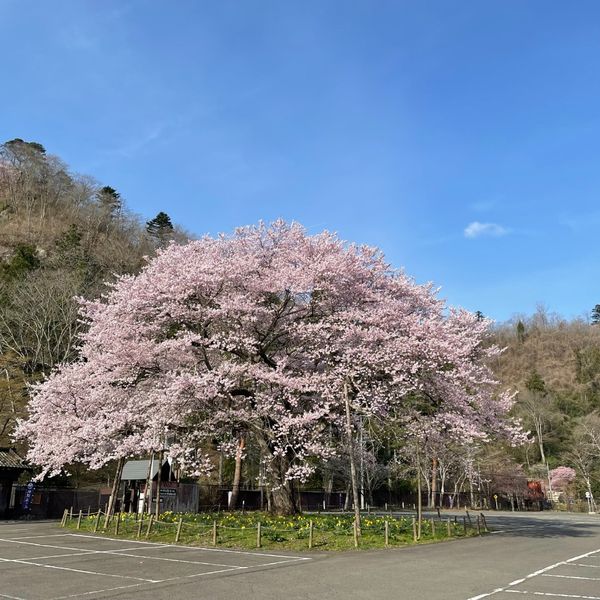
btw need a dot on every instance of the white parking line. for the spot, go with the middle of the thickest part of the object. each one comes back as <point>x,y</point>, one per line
<point>204,549</point>
<point>177,560</point>
<point>82,594</point>
<point>571,577</point>
<point>31,537</point>
<point>535,574</point>
<point>200,574</point>
<point>116,552</point>
<point>552,594</point>
<point>513,529</point>
<point>44,566</point>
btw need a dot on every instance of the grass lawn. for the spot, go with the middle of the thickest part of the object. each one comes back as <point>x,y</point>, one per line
<point>240,530</point>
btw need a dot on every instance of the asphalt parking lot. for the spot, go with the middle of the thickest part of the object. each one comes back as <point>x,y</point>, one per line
<point>41,562</point>
<point>528,555</point>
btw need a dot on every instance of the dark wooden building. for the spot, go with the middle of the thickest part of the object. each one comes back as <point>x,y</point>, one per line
<point>11,467</point>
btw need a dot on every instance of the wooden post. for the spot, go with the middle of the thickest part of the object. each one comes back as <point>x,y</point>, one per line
<point>97,523</point>
<point>310,534</point>
<point>79,519</point>
<point>432,528</point>
<point>161,457</point>
<point>117,522</point>
<point>485,527</point>
<point>355,530</point>
<point>149,528</point>
<point>71,514</point>
<point>89,510</point>
<point>139,528</point>
<point>214,533</point>
<point>63,521</point>
<point>448,528</point>
<point>414,527</point>
<point>112,501</point>
<point>386,531</point>
<point>178,534</point>
<point>465,525</point>
<point>478,525</point>
<point>258,536</point>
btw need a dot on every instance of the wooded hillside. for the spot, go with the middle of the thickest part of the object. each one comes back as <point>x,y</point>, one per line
<point>62,235</point>
<point>555,366</point>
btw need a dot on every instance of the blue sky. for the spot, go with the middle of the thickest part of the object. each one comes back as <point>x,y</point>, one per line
<point>463,138</point>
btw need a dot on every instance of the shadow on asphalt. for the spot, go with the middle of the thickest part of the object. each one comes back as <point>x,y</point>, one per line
<point>550,525</point>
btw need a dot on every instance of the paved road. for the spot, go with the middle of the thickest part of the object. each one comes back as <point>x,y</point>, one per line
<point>530,555</point>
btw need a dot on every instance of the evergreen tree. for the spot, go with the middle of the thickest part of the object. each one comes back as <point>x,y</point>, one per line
<point>480,316</point>
<point>521,334</point>
<point>596,315</point>
<point>109,199</point>
<point>24,259</point>
<point>160,227</point>
<point>535,383</point>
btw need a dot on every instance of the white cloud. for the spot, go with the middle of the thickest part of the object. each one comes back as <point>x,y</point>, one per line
<point>477,229</point>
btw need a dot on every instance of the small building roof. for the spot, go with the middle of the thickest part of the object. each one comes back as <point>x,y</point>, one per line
<point>9,459</point>
<point>137,470</point>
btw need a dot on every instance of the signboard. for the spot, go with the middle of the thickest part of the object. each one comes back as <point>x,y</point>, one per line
<point>168,493</point>
<point>28,495</point>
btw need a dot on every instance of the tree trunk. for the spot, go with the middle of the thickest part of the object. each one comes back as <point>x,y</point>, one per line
<point>353,474</point>
<point>348,497</point>
<point>419,495</point>
<point>237,475</point>
<point>283,500</point>
<point>328,488</point>
<point>114,491</point>
<point>161,456</point>
<point>148,492</point>
<point>434,481</point>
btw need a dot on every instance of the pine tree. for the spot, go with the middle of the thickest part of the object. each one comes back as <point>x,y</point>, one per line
<point>596,315</point>
<point>521,334</point>
<point>160,227</point>
<point>110,200</point>
<point>535,383</point>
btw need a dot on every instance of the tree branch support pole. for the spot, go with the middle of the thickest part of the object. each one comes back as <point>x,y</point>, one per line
<point>161,456</point>
<point>179,526</point>
<point>97,522</point>
<point>149,529</point>
<point>148,494</point>
<point>353,474</point>
<point>112,501</point>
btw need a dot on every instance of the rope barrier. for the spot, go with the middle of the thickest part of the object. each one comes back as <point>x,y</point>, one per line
<point>390,530</point>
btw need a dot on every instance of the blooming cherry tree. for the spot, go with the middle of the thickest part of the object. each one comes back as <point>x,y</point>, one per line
<point>269,333</point>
